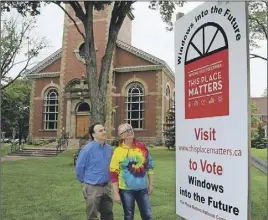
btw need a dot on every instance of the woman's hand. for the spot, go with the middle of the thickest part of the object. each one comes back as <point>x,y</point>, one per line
<point>150,189</point>
<point>117,198</point>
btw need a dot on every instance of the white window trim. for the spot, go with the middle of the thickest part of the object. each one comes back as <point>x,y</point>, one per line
<point>46,112</point>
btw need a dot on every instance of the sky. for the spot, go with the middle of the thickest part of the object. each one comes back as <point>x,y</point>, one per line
<point>148,34</point>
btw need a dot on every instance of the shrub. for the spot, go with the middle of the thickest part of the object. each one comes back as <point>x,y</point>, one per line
<point>169,129</point>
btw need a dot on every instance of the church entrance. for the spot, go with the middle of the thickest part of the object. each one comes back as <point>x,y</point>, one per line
<point>82,119</point>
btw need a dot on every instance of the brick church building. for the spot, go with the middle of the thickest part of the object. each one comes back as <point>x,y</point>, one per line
<point>141,86</point>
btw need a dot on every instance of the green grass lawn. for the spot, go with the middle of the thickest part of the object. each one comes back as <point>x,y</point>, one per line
<point>5,149</point>
<point>46,189</point>
<point>260,153</point>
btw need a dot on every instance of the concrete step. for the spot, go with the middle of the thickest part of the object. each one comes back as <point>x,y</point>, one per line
<point>32,155</point>
<point>36,152</point>
<point>73,143</point>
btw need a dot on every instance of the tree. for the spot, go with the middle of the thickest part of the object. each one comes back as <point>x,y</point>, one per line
<point>97,82</point>
<point>169,129</point>
<point>15,108</point>
<point>260,141</point>
<point>257,25</point>
<point>254,120</point>
<point>18,47</point>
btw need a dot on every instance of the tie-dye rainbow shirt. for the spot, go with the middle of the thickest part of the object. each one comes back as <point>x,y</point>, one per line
<point>129,166</point>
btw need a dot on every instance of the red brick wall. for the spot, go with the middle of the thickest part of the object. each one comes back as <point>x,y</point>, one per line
<point>124,58</point>
<point>74,68</point>
<point>149,78</point>
<point>125,31</point>
<point>54,67</point>
<point>37,109</point>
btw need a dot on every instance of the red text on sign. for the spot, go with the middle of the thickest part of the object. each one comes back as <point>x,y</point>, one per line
<point>205,135</point>
<point>211,168</point>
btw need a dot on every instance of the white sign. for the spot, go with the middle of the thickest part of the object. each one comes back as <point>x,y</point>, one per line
<point>212,125</point>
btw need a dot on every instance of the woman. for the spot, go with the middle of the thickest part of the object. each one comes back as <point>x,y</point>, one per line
<point>130,163</point>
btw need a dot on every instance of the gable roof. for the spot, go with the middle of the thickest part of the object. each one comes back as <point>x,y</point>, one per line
<point>133,50</point>
<point>44,63</point>
<point>142,54</point>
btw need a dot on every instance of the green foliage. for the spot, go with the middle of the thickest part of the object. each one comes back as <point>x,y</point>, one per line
<point>166,9</point>
<point>25,8</point>
<point>257,22</point>
<point>257,25</point>
<point>254,119</point>
<point>15,108</point>
<point>17,41</point>
<point>169,129</point>
<point>261,133</point>
<point>260,141</point>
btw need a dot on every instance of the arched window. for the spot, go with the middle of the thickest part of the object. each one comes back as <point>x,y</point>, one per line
<point>168,92</point>
<point>51,103</point>
<point>135,105</point>
<point>83,107</point>
<point>82,51</point>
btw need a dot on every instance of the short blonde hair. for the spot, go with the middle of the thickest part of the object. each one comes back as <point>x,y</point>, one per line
<point>123,127</point>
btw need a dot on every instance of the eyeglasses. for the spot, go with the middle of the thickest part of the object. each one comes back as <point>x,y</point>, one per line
<point>129,131</point>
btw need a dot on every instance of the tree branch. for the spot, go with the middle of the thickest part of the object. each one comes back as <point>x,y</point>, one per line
<point>19,75</point>
<point>77,9</point>
<point>260,24</point>
<point>13,49</point>
<point>257,56</point>
<point>13,80</point>
<point>75,24</point>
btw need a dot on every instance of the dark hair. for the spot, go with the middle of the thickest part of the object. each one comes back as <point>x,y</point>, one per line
<point>91,129</point>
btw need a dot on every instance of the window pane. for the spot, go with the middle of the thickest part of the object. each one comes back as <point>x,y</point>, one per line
<point>52,102</point>
<point>135,115</point>
<point>135,106</point>
<point>135,90</point>
<point>51,109</point>
<point>135,99</point>
<point>52,117</point>
<point>135,124</point>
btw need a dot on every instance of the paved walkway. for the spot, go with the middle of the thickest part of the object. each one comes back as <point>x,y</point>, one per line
<point>11,158</point>
<point>259,164</point>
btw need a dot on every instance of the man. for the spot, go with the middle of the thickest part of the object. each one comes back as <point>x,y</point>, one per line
<point>92,170</point>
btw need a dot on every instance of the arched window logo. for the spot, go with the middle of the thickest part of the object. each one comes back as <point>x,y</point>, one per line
<point>207,73</point>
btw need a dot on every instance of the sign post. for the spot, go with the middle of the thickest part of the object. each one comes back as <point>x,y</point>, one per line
<point>212,113</point>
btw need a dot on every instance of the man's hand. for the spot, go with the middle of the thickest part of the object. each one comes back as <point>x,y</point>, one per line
<point>150,189</point>
<point>117,198</point>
